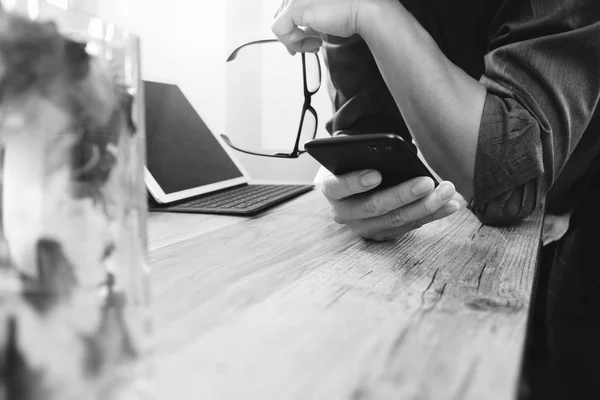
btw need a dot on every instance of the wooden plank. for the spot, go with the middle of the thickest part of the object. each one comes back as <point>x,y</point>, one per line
<point>166,228</point>
<point>169,228</point>
<point>292,306</point>
<point>199,276</point>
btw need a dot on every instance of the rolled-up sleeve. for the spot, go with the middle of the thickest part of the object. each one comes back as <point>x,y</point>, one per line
<point>361,99</point>
<point>542,76</point>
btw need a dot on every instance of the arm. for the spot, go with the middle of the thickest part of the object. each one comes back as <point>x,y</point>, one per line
<point>502,140</point>
<point>440,103</point>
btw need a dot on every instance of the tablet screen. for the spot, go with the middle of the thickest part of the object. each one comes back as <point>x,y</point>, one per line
<point>181,152</point>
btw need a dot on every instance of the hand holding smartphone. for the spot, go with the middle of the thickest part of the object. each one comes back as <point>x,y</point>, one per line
<point>372,211</point>
<point>389,154</point>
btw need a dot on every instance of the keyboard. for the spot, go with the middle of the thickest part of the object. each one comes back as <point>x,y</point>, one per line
<point>241,200</point>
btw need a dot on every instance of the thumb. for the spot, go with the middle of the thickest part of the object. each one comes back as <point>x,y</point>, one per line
<point>287,30</point>
<point>314,40</point>
<point>301,41</point>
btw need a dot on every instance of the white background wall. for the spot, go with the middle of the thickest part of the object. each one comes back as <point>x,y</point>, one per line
<point>186,42</point>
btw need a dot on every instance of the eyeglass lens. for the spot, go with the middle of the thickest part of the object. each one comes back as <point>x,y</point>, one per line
<point>265,98</point>
<point>309,125</point>
<point>313,73</point>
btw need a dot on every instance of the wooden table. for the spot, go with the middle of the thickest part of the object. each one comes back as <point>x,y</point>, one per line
<point>292,306</point>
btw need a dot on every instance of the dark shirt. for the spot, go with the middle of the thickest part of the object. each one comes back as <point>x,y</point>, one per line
<point>540,130</point>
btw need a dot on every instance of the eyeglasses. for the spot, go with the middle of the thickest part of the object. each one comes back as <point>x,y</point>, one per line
<point>307,130</point>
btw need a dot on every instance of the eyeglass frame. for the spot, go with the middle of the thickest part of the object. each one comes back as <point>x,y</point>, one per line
<point>306,106</point>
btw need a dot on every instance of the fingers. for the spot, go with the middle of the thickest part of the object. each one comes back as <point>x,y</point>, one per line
<point>321,175</point>
<point>391,212</point>
<point>286,27</point>
<point>422,208</point>
<point>342,186</point>
<point>409,214</point>
<point>280,8</point>
<point>448,209</point>
<point>384,201</point>
<point>309,44</point>
<point>314,41</point>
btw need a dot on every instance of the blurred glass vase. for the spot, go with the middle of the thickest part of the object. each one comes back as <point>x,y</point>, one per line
<point>74,295</point>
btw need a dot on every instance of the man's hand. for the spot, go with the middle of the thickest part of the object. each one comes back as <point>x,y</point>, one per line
<point>299,23</point>
<point>389,213</point>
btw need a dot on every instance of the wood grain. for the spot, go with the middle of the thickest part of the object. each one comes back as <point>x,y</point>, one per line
<point>292,306</point>
<point>169,228</point>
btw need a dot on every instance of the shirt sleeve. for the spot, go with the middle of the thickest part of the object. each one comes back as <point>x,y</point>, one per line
<point>543,85</point>
<point>362,101</point>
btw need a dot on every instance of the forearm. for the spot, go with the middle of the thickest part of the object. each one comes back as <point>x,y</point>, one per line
<point>440,103</point>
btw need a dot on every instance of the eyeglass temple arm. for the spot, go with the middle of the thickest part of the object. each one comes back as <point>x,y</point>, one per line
<point>234,54</point>
<point>228,142</point>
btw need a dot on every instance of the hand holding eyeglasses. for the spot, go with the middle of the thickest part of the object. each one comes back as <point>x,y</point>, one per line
<point>298,23</point>
<point>388,213</point>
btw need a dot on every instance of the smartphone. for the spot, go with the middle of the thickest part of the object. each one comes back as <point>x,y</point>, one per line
<point>389,154</point>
